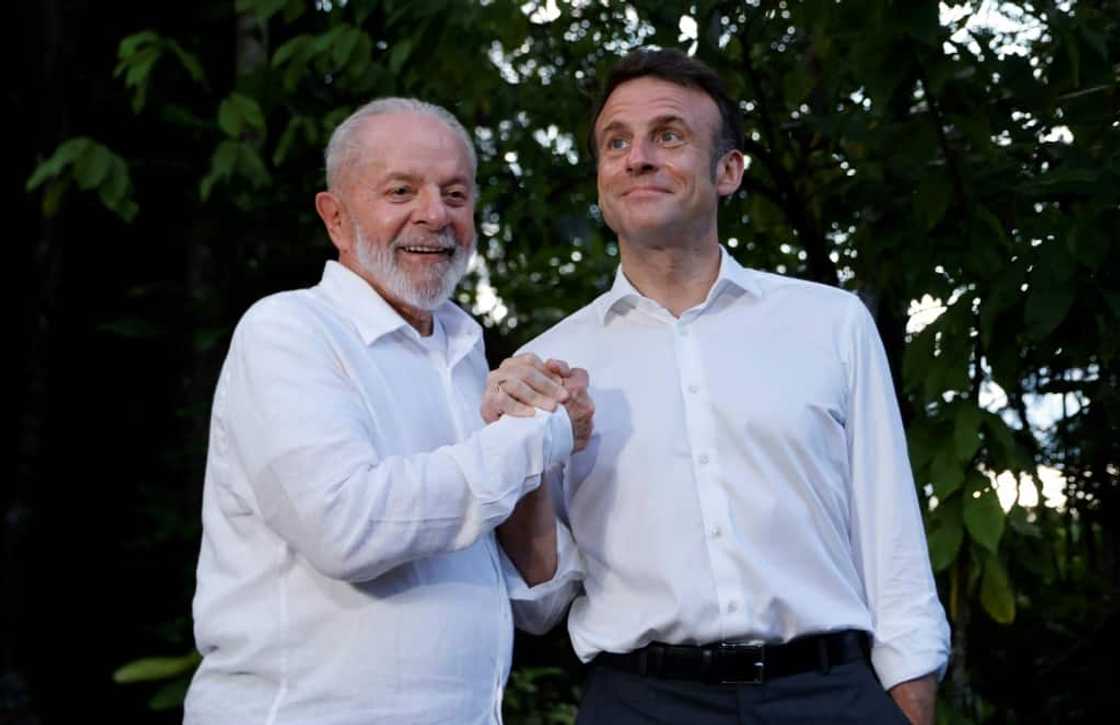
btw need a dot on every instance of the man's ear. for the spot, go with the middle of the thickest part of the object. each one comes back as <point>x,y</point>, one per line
<point>729,172</point>
<point>333,213</point>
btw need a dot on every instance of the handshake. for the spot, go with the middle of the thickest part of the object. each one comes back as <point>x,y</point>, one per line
<point>523,383</point>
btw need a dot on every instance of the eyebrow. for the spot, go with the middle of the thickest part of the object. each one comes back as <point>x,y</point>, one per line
<point>670,119</point>
<point>664,120</point>
<point>414,178</point>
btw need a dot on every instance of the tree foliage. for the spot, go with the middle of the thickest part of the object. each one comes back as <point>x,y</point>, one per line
<point>890,152</point>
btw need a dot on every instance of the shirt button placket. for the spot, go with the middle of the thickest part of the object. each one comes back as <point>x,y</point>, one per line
<point>702,434</point>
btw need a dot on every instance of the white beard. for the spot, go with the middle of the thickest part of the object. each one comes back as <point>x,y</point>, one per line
<point>380,264</point>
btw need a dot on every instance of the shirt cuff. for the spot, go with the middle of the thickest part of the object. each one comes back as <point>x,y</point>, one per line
<point>558,439</point>
<point>569,569</point>
<point>894,667</point>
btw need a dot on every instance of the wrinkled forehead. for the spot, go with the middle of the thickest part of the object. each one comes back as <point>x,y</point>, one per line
<point>415,144</point>
<point>645,100</point>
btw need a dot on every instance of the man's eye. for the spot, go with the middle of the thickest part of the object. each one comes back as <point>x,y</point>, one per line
<point>615,143</point>
<point>456,195</point>
<point>399,191</point>
<point>669,136</point>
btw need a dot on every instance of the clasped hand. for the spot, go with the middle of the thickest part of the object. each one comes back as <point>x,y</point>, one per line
<point>524,382</point>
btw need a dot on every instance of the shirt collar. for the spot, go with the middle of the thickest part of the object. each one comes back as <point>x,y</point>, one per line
<point>374,317</point>
<point>622,294</point>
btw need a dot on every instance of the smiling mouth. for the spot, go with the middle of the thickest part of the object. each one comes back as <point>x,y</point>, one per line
<point>645,191</point>
<point>435,251</point>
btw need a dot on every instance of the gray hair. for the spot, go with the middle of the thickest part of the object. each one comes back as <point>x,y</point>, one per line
<point>342,149</point>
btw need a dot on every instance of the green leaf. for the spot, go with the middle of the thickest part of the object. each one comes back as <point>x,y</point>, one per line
<point>139,69</point>
<point>286,140</point>
<point>992,224</point>
<point>983,516</point>
<point>170,695</point>
<point>344,46</point>
<point>1113,300</point>
<point>115,185</point>
<point>92,166</point>
<point>1089,243</point>
<point>293,10</point>
<point>966,431</point>
<point>130,44</point>
<point>932,199</point>
<point>947,473</point>
<point>797,84</point>
<point>156,668</point>
<point>995,592</point>
<point>1001,444</point>
<point>325,41</point>
<point>225,157</point>
<point>360,57</point>
<point>229,118</point>
<point>947,535</point>
<point>250,111</point>
<point>1046,308</point>
<point>290,50</point>
<point>1004,294</point>
<point>919,438</point>
<point>296,54</point>
<point>362,9</point>
<point>399,55</point>
<point>126,209</point>
<point>221,167</point>
<point>52,198</point>
<point>264,9</point>
<point>251,166</point>
<point>239,113</point>
<point>63,155</point>
<point>944,543</point>
<point>1095,39</point>
<point>1080,182</point>
<point>917,357</point>
<point>1074,57</point>
<point>189,62</point>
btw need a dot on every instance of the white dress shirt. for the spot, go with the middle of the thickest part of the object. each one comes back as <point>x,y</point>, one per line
<point>747,478</point>
<point>348,571</point>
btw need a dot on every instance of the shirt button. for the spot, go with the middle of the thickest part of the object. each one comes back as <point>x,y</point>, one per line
<point>732,606</point>
<point>716,532</point>
<point>694,388</point>
<point>703,459</point>
<point>682,331</point>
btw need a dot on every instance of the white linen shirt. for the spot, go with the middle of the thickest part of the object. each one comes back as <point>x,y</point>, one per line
<point>348,570</point>
<point>747,478</point>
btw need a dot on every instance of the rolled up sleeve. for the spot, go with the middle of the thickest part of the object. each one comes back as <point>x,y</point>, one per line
<point>303,434</point>
<point>911,633</point>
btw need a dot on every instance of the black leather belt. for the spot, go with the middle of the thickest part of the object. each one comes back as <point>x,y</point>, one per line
<point>733,663</point>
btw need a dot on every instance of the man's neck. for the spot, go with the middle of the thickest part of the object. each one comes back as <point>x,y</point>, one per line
<point>676,276</point>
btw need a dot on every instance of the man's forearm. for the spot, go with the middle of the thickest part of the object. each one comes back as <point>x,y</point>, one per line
<point>529,537</point>
<point>917,698</point>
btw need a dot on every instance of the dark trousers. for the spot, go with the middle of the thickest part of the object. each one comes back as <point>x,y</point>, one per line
<point>848,693</point>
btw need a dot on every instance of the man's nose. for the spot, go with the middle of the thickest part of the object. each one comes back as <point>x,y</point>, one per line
<point>641,156</point>
<point>431,209</point>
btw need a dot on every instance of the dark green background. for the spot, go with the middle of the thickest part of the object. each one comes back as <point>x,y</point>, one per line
<point>881,160</point>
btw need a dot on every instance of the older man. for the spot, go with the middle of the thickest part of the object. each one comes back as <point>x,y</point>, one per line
<point>348,572</point>
<point>746,512</point>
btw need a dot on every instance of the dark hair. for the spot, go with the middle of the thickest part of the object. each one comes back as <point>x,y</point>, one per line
<point>675,67</point>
